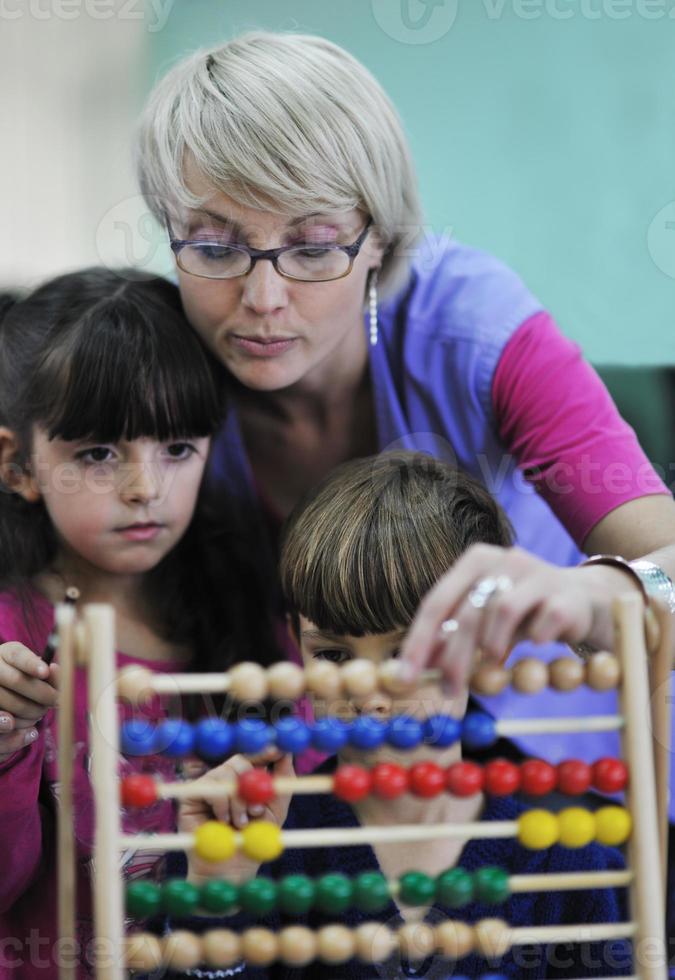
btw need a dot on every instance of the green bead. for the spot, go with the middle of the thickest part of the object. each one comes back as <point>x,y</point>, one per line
<point>454,888</point>
<point>371,891</point>
<point>296,894</point>
<point>492,885</point>
<point>219,896</point>
<point>258,896</point>
<point>144,898</point>
<point>179,897</point>
<point>416,888</point>
<point>333,894</point>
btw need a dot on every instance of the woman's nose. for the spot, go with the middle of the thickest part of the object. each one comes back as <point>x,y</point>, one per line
<point>264,290</point>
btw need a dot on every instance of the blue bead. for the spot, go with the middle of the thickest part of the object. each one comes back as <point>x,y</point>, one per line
<point>442,731</point>
<point>214,738</point>
<point>175,738</point>
<point>293,735</point>
<point>367,732</point>
<point>253,735</point>
<point>478,730</point>
<point>404,732</point>
<point>137,737</point>
<point>329,734</point>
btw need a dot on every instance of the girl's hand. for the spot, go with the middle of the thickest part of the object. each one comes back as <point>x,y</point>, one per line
<point>193,812</point>
<point>494,597</point>
<point>27,692</point>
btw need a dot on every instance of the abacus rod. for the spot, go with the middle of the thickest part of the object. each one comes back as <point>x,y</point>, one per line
<point>548,726</point>
<point>583,933</point>
<point>202,788</point>
<point>337,836</point>
<point>66,855</point>
<point>220,683</point>
<point>569,881</point>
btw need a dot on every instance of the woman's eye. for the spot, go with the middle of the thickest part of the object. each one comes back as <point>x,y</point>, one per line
<point>97,454</point>
<point>335,656</point>
<point>312,252</point>
<point>180,450</point>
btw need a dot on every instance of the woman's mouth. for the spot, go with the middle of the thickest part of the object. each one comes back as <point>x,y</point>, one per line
<point>262,346</point>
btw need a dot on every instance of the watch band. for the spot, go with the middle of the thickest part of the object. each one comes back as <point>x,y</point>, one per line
<point>655,581</point>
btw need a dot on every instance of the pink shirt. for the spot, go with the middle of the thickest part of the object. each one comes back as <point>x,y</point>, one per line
<point>28,795</point>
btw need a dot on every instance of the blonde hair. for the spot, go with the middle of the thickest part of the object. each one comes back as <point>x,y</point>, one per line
<point>288,120</point>
<point>363,548</point>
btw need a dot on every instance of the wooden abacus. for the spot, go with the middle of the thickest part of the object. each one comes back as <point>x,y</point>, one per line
<point>92,641</point>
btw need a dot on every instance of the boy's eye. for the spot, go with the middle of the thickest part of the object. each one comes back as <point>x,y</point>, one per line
<point>180,450</point>
<point>335,656</point>
<point>96,454</point>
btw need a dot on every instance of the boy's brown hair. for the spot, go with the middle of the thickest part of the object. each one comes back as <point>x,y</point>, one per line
<point>361,550</point>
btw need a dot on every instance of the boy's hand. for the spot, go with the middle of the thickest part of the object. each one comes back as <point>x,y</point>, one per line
<point>27,692</point>
<point>231,810</point>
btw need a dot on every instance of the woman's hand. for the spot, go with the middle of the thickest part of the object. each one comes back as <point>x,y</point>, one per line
<point>495,597</point>
<point>27,692</point>
<point>193,812</point>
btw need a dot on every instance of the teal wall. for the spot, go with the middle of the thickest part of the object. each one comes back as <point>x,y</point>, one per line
<point>546,139</point>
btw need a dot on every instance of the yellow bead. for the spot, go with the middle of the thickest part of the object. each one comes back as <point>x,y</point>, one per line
<point>613,825</point>
<point>538,829</point>
<point>577,827</point>
<point>262,841</point>
<point>215,841</point>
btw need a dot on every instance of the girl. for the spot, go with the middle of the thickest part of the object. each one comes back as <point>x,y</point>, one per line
<point>107,406</point>
<point>358,554</point>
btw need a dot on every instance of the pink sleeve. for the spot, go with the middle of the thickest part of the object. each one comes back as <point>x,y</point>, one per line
<point>557,418</point>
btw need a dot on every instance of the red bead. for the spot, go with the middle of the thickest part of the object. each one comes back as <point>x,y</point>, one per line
<point>351,783</point>
<point>610,775</point>
<point>256,787</point>
<point>574,777</point>
<point>537,778</point>
<point>389,780</point>
<point>501,777</point>
<point>426,779</point>
<point>138,790</point>
<point>464,778</point>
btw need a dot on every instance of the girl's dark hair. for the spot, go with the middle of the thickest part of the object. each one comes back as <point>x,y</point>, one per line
<point>362,549</point>
<point>108,355</point>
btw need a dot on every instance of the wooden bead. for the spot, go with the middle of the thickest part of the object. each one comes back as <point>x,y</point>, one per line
<point>181,950</point>
<point>529,676</point>
<point>259,947</point>
<point>286,681</point>
<point>221,948</point>
<point>359,678</point>
<point>489,680</point>
<point>297,945</point>
<point>389,677</point>
<point>142,952</point>
<point>492,938</point>
<point>455,940</point>
<point>603,672</point>
<point>566,673</point>
<point>323,680</point>
<point>416,940</point>
<point>134,684</point>
<point>375,942</point>
<point>335,944</point>
<point>248,682</point>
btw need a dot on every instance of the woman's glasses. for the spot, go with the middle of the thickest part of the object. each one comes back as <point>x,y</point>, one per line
<point>306,263</point>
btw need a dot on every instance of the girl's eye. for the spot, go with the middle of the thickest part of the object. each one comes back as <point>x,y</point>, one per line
<point>335,656</point>
<point>180,450</point>
<point>97,454</point>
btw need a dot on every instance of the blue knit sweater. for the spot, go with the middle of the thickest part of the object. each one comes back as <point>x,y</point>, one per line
<point>525,909</point>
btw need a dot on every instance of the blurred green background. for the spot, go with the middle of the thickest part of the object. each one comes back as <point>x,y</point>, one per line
<point>543,131</point>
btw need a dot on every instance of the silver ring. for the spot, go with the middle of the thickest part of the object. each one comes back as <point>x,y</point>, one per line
<point>449,626</point>
<point>486,588</point>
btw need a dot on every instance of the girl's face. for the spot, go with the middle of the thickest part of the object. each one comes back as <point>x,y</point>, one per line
<point>240,319</point>
<point>122,506</point>
<point>422,703</point>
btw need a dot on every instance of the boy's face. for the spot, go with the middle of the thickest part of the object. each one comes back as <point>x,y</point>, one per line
<point>422,703</point>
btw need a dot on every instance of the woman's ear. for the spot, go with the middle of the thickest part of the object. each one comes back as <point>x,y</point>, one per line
<point>15,475</point>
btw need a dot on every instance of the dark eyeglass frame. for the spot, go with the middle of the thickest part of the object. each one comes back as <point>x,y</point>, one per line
<point>272,255</point>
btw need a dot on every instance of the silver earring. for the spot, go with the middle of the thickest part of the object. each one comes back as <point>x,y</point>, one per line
<point>372,304</point>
